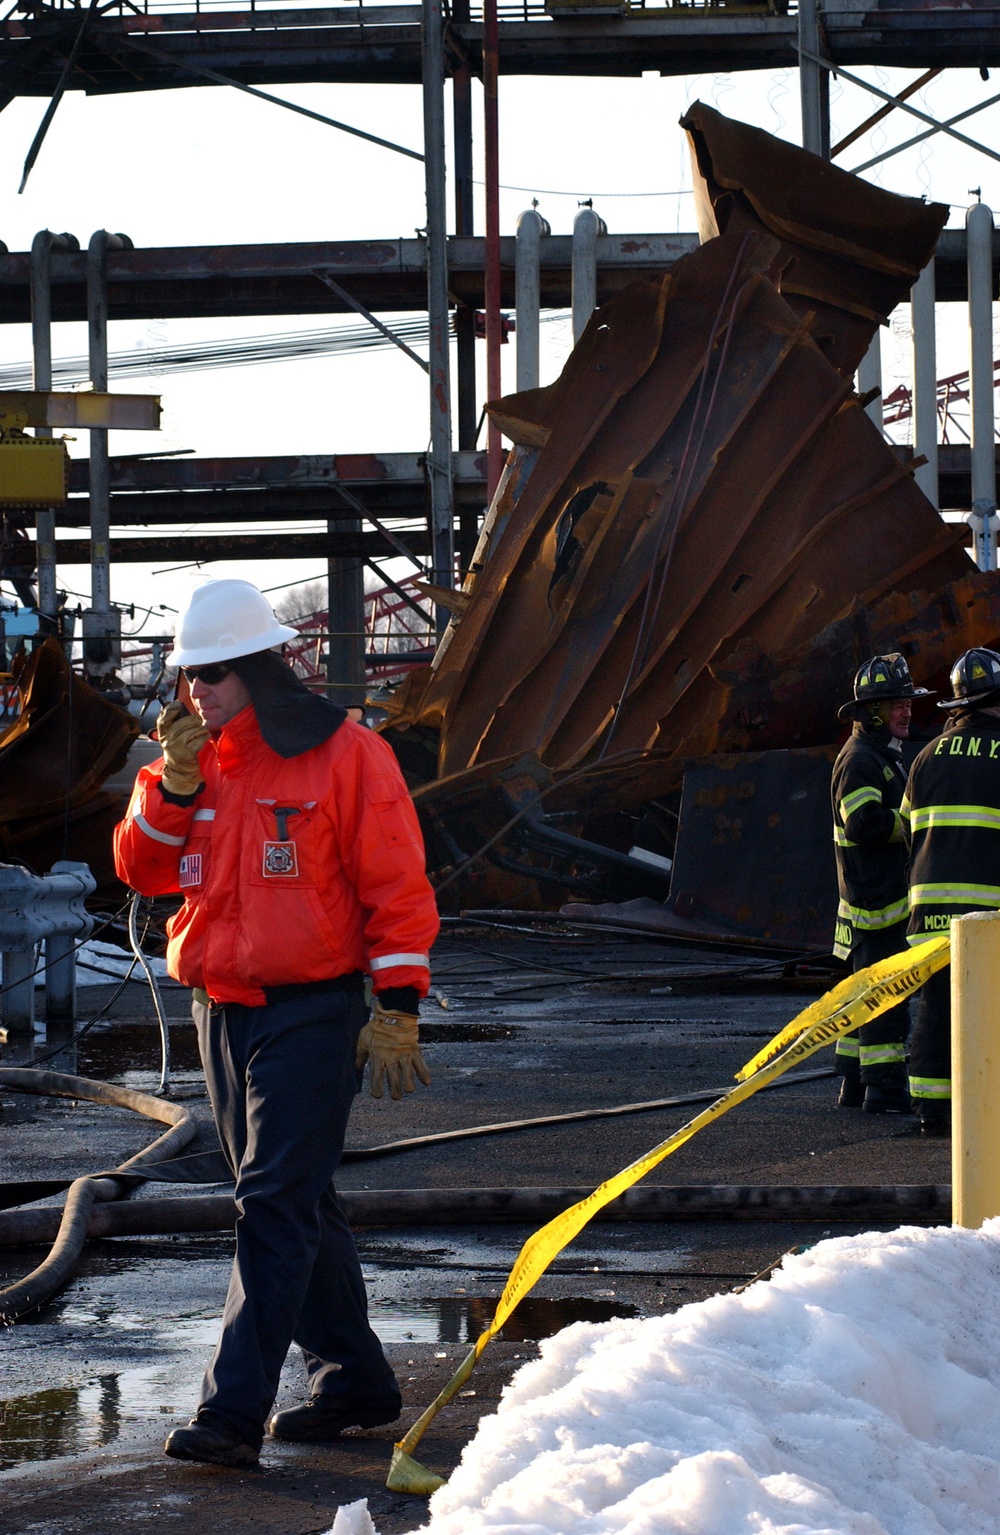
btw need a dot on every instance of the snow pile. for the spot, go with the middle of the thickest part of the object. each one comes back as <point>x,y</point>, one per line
<point>99,964</point>
<point>856,1393</point>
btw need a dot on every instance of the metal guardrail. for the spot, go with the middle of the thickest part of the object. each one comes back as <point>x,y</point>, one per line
<point>46,909</point>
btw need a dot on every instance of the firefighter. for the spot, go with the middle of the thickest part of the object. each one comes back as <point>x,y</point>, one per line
<point>289,832</point>
<point>951,818</point>
<point>869,780</point>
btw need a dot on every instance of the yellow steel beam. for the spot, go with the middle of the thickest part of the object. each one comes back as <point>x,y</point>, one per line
<point>86,409</point>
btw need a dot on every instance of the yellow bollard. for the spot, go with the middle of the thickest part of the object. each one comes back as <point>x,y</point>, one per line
<point>975,1067</point>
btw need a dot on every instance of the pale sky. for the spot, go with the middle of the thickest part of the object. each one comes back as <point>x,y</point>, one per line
<point>214,166</point>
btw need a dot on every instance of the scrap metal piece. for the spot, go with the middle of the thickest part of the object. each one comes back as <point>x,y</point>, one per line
<point>54,760</point>
<point>696,511</point>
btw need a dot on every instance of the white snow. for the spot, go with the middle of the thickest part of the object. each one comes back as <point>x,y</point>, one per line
<point>855,1393</point>
<point>98,963</point>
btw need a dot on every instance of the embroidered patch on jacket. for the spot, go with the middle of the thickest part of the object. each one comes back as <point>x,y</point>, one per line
<point>190,870</point>
<point>281,860</point>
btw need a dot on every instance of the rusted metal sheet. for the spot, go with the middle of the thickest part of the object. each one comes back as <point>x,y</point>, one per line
<point>54,759</point>
<point>754,853</point>
<point>699,509</point>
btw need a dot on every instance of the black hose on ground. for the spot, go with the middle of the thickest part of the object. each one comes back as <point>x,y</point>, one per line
<point>45,1281</point>
<point>846,1203</point>
<point>506,1126</point>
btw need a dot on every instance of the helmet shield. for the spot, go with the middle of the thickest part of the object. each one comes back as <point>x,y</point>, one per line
<point>881,677</point>
<point>974,676</point>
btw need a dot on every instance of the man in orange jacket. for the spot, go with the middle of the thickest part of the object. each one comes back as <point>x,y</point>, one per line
<point>290,833</point>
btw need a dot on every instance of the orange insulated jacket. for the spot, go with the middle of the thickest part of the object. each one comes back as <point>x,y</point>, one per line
<point>292,869</point>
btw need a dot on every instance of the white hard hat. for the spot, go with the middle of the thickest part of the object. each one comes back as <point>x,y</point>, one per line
<point>225,619</point>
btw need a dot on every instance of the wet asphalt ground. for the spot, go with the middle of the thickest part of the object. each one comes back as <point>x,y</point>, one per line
<point>535,1023</point>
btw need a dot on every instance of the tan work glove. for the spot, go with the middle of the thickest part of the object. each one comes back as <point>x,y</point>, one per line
<point>181,737</point>
<point>390,1040</point>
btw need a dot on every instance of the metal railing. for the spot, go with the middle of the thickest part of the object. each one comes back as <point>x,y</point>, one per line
<point>368,12</point>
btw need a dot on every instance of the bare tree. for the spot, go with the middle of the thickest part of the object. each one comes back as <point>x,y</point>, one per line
<point>301,601</point>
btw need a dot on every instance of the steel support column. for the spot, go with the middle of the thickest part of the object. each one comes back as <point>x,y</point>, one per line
<point>983,518</point>
<point>923,309</point>
<point>814,82</point>
<point>101,625</point>
<point>439,457</point>
<point>870,377</point>
<point>465,315</point>
<point>531,228</point>
<point>42,246</point>
<point>345,659</point>
<point>494,328</point>
<point>588,226</point>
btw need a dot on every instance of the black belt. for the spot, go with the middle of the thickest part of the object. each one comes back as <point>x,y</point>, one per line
<point>353,982</point>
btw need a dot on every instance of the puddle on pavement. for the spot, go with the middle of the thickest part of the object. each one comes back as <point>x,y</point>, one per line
<point>110,1051</point>
<point>86,1416</point>
<point>460,1319</point>
<point>463,1033</point>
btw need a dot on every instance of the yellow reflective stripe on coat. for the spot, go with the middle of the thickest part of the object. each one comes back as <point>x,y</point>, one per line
<point>897,827</point>
<point>841,838</point>
<point>857,798</point>
<point>976,897</point>
<point>985,816</point>
<point>861,997</point>
<point>885,916</point>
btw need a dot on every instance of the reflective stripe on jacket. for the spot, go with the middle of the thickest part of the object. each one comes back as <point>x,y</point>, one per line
<point>292,869</point>
<point>867,790</point>
<point>951,817</point>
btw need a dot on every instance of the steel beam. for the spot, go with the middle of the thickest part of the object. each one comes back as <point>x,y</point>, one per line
<point>384,275</point>
<point>382,45</point>
<point>239,546</point>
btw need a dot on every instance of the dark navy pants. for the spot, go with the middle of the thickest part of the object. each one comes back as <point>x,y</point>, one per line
<point>281,1079</point>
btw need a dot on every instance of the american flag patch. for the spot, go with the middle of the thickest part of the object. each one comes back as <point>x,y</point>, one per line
<point>190,870</point>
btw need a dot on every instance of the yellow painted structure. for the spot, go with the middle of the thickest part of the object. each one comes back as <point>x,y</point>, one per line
<point>975,1067</point>
<point>32,472</point>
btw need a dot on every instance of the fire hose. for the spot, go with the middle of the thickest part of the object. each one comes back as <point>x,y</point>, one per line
<point>57,1269</point>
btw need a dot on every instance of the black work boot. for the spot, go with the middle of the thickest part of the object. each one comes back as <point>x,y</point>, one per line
<point>886,1100</point>
<point>852,1094</point>
<point>934,1115</point>
<point>214,1441</point>
<point>322,1418</point>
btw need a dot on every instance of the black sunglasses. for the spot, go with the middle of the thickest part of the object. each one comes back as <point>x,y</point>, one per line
<point>209,675</point>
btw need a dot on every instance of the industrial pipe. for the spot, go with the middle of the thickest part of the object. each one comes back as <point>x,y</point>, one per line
<point>101,626</point>
<point>983,518</point>
<point>531,227</point>
<point>42,246</point>
<point>528,1206</point>
<point>923,311</point>
<point>72,1221</point>
<point>975,1067</point>
<point>587,227</point>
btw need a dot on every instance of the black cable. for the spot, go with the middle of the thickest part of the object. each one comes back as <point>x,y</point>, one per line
<point>475,1132</point>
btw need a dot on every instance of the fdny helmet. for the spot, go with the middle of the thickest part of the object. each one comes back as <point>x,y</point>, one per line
<point>973,677</point>
<point>881,677</point>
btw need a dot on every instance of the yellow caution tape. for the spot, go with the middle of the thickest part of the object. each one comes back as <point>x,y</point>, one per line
<point>853,1002</point>
<point>861,996</point>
